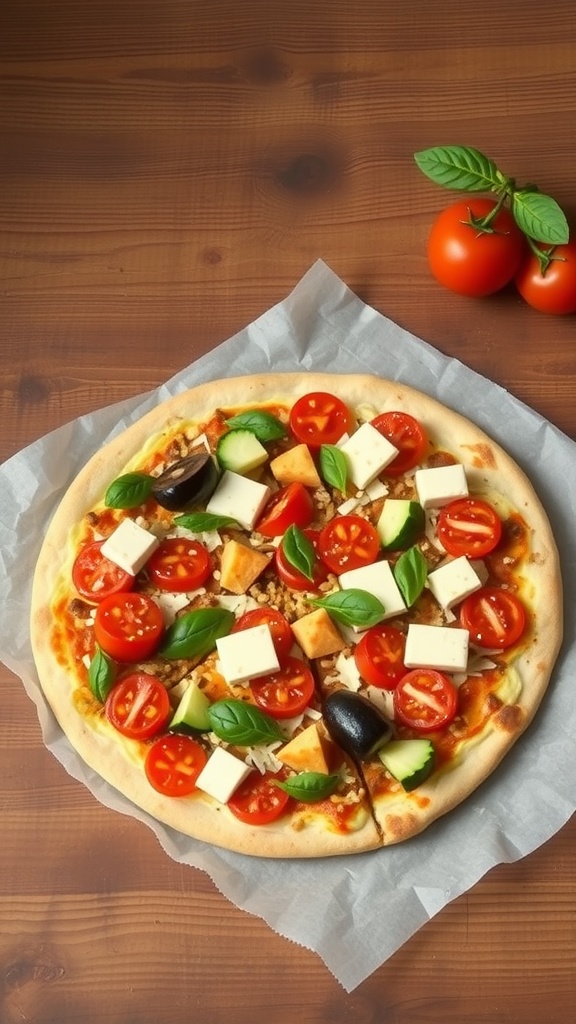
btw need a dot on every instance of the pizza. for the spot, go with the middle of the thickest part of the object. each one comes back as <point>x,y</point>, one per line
<point>297,615</point>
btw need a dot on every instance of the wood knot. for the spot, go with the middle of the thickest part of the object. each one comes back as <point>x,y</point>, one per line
<point>32,390</point>
<point>265,67</point>
<point>308,172</point>
<point>40,966</point>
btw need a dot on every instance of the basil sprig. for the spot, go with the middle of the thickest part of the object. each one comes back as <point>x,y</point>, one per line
<point>129,490</point>
<point>333,466</point>
<point>353,607</point>
<point>410,573</point>
<point>298,550</point>
<point>101,675</point>
<point>195,633</point>
<point>203,522</point>
<point>309,787</point>
<point>466,169</point>
<point>264,425</point>
<point>241,723</point>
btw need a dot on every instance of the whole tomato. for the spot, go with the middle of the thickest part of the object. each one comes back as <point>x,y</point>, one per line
<point>471,260</point>
<point>549,285</point>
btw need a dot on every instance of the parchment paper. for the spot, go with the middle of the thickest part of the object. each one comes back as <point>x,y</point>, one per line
<point>354,912</point>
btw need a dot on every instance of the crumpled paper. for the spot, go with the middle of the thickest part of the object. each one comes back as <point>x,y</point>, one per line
<point>354,912</point>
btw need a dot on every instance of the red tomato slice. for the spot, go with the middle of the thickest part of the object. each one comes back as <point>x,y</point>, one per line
<point>173,764</point>
<point>285,693</point>
<point>494,617</point>
<point>348,542</point>
<point>469,526</point>
<point>179,565</point>
<point>294,579</point>
<point>407,435</point>
<point>96,577</point>
<point>258,800</point>
<point>138,706</point>
<point>379,656</point>
<point>319,418</point>
<point>290,506</point>
<point>128,626</point>
<point>279,627</point>
<point>425,700</point>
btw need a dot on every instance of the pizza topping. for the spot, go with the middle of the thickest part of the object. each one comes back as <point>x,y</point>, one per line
<point>317,635</point>
<point>334,466</point>
<point>101,675</point>
<point>452,582</point>
<point>438,485</point>
<point>286,692</point>
<point>240,451</point>
<point>410,762</point>
<point>469,526</point>
<point>348,542</point>
<point>305,752</point>
<point>379,582</point>
<point>179,565</point>
<point>408,437</point>
<point>240,498</point>
<point>440,647</point>
<point>292,553</point>
<point>195,633</point>
<point>138,706</point>
<point>494,617</point>
<point>355,724</point>
<point>400,524</point>
<point>128,626</point>
<point>242,724</point>
<point>95,576</point>
<point>367,453</point>
<point>260,422</point>
<point>277,623</point>
<point>190,480</point>
<point>309,787</point>
<point>298,550</point>
<point>191,715</point>
<point>222,774</point>
<point>296,465</point>
<point>291,505</point>
<point>379,656</point>
<point>129,490</point>
<point>425,700</point>
<point>258,800</point>
<point>320,418</point>
<point>353,607</point>
<point>410,572</point>
<point>130,546</point>
<point>173,764</point>
<point>247,654</point>
<point>240,566</point>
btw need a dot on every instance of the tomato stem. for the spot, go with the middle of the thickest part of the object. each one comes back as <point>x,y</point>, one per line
<point>484,224</point>
<point>544,256</point>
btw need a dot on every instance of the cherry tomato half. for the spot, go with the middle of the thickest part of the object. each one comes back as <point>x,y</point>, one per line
<point>379,656</point>
<point>291,505</point>
<point>294,579</point>
<point>128,626</point>
<point>348,542</point>
<point>469,526</point>
<point>179,565</point>
<point>554,290</point>
<point>470,261</point>
<point>319,418</point>
<point>279,627</point>
<point>495,618</point>
<point>407,435</point>
<point>96,577</point>
<point>258,800</point>
<point>138,706</point>
<point>173,764</point>
<point>425,700</point>
<point>285,693</point>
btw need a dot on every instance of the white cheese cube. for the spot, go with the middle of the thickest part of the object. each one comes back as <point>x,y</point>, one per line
<point>222,774</point>
<point>453,581</point>
<point>367,453</point>
<point>441,484</point>
<point>247,654</point>
<point>440,647</point>
<point>377,579</point>
<point>240,497</point>
<point>130,546</point>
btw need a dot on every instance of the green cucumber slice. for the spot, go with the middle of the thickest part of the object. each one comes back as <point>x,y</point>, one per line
<point>240,451</point>
<point>400,524</point>
<point>409,761</point>
<point>191,715</point>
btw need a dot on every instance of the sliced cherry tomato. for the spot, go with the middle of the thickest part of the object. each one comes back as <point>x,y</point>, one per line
<point>494,617</point>
<point>551,288</point>
<point>96,577</point>
<point>407,435</point>
<point>179,565</point>
<point>296,580</point>
<point>425,700</point>
<point>379,656</point>
<point>258,800</point>
<point>319,418</point>
<point>469,526</point>
<point>285,693</point>
<point>348,542</point>
<point>173,764</point>
<point>138,706</point>
<point>290,506</point>
<point>128,626</point>
<point>279,627</point>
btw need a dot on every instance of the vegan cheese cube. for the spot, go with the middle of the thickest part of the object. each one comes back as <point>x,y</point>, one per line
<point>240,497</point>
<point>453,581</point>
<point>130,546</point>
<point>377,579</point>
<point>247,654</point>
<point>367,453</point>
<point>440,484</point>
<point>441,647</point>
<point>222,774</point>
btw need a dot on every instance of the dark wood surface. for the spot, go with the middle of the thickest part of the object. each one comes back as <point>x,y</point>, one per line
<point>169,170</point>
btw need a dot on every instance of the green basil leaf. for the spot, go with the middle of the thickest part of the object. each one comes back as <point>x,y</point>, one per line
<point>266,426</point>
<point>539,217</point>
<point>203,522</point>
<point>101,675</point>
<point>410,573</point>
<point>241,723</point>
<point>333,466</point>
<point>352,607</point>
<point>129,490</point>
<point>299,551</point>
<point>195,633</point>
<point>459,167</point>
<point>309,787</point>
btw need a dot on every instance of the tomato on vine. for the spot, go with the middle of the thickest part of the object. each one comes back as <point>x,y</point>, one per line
<point>547,282</point>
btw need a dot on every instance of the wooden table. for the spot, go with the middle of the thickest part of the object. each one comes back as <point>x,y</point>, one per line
<point>169,170</point>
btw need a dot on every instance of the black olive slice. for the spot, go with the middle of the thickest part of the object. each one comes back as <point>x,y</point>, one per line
<point>355,724</point>
<point>191,480</point>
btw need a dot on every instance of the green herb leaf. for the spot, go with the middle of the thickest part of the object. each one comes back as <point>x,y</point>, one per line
<point>539,217</point>
<point>129,490</point>
<point>101,675</point>
<point>410,573</point>
<point>266,426</point>
<point>333,466</point>
<point>352,607</point>
<point>203,522</point>
<point>195,633</point>
<point>309,787</point>
<point>241,723</point>
<point>299,551</point>
<point>459,167</point>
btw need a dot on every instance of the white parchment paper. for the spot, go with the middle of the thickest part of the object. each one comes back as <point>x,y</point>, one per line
<point>354,912</point>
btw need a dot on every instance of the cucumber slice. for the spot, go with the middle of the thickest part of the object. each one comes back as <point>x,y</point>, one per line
<point>240,451</point>
<point>191,715</point>
<point>409,761</point>
<point>400,523</point>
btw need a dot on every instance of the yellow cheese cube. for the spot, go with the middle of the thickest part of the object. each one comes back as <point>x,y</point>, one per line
<point>296,465</point>
<point>317,635</point>
<point>240,566</point>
